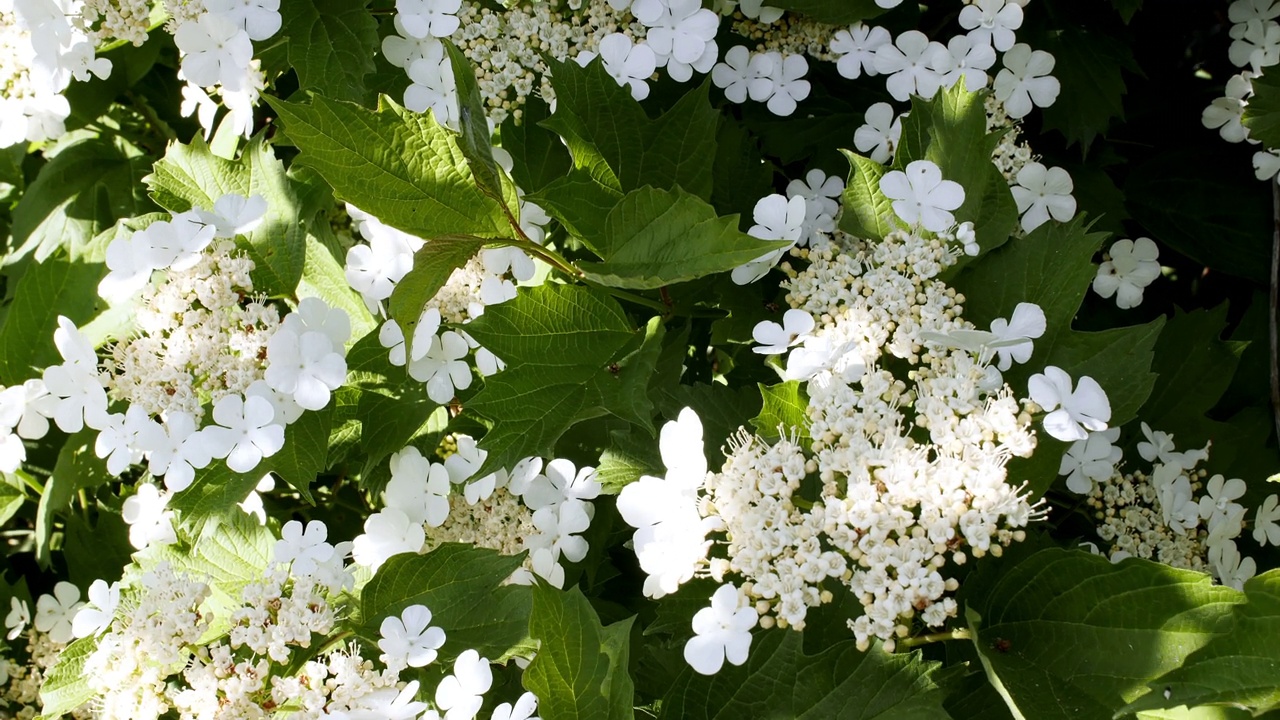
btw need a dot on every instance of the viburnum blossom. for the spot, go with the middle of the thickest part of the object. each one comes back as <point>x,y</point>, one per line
<point>879,136</point>
<point>215,51</point>
<point>428,18</point>
<point>777,218</point>
<point>1072,413</point>
<point>1025,82</point>
<point>149,519</point>
<point>1131,267</point>
<point>909,63</point>
<point>992,22</point>
<point>776,339</point>
<point>1090,461</point>
<point>95,617</point>
<point>721,632</point>
<point>682,37</point>
<point>386,533</point>
<point>18,618</point>
<point>1043,192</point>
<point>921,197</point>
<point>461,694</point>
<point>629,64</point>
<point>409,640</point>
<point>304,549</point>
<point>55,613</point>
<point>1266,522</point>
<point>856,48</point>
<point>246,431</point>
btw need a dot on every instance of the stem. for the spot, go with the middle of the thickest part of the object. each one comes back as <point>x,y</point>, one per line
<point>960,634</point>
<point>31,483</point>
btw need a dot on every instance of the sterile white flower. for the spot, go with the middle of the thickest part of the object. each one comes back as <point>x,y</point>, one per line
<point>1225,113</point>
<point>757,10</point>
<point>1231,568</point>
<point>857,48</point>
<point>149,520</point>
<point>215,51</point>
<point>18,619</point>
<point>1159,445</point>
<point>434,88</point>
<point>306,548</point>
<point>246,432</point>
<point>118,440</point>
<point>992,22</point>
<point>879,137</point>
<point>629,64</point>
<point>908,62</point>
<point>789,85</point>
<point>738,73</point>
<point>81,399</point>
<point>1266,164</point>
<point>129,264</point>
<point>775,339</point>
<point>1256,44</point>
<point>683,38</point>
<point>176,243</point>
<point>1178,507</point>
<point>1266,522</point>
<point>1072,414</point>
<point>559,482</point>
<point>1217,502</point>
<point>1043,192</point>
<point>721,632</point>
<point>390,703</point>
<point>526,705</point>
<point>409,640</point>
<point>921,197</point>
<point>964,59</point>
<point>175,451</point>
<point>559,529</point>
<point>435,18</point>
<point>1134,265</point>
<point>777,218</point>
<point>461,694</point>
<point>55,613</point>
<point>196,101</point>
<point>1025,82</point>
<point>386,533</point>
<point>821,193</point>
<point>1090,461</point>
<point>95,617</point>
<point>234,215</point>
<point>442,367</point>
<point>418,487</point>
<point>1014,336</point>
<point>259,18</point>
<point>305,367</point>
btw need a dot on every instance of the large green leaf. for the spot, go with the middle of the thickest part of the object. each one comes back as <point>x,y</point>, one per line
<point>47,289</point>
<point>432,266</point>
<point>1089,65</point>
<point>786,405</point>
<point>840,683</point>
<point>77,468</point>
<point>331,45</point>
<point>867,212</point>
<point>537,155</point>
<point>462,586</point>
<point>1195,367</point>
<point>659,237</point>
<point>557,340</point>
<point>580,671</point>
<point>1237,668</point>
<point>66,687</point>
<point>402,167</point>
<point>609,134</point>
<point>474,138</point>
<point>580,203</point>
<point>1067,634</point>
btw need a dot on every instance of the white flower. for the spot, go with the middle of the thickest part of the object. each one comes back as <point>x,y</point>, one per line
<point>409,640</point>
<point>54,613</point>
<point>1266,164</point>
<point>920,195</point>
<point>1266,522</point>
<point>721,632</point>
<point>75,383</point>
<point>118,442</point>
<point>560,526</point>
<point>96,617</point>
<point>909,64</point>
<point>964,59</point>
<point>402,48</point>
<point>175,243</point>
<point>757,10</point>
<point>1173,492</point>
<point>683,38</point>
<point>259,18</point>
<point>821,194</point>
<point>775,339</point>
<point>1256,44</point>
<point>442,367</point>
<point>418,487</point>
<point>386,533</point>
<point>879,137</point>
<point>1013,337</point>
<point>390,703</point>
<point>314,314</point>
<point>991,22</point>
<point>18,618</point>
<point>435,18</point>
<point>1227,563</point>
<point>1225,113</point>
<point>1160,445</point>
<point>560,482</point>
<point>1025,81</point>
<point>789,85</point>
<point>305,548</point>
<point>1090,461</point>
<point>305,367</point>
<point>741,75</point>
<point>464,463</point>
<point>1072,414</point>
<point>246,432</point>
<point>434,88</point>
<point>526,705</point>
<point>1134,265</point>
<point>374,269</point>
<point>777,218</point>
<point>461,694</point>
<point>1242,11</point>
<point>129,264</point>
<point>150,523</point>
<point>27,408</point>
<point>1042,192</point>
<point>215,51</point>
<point>630,65</point>
<point>1219,494</point>
<point>175,450</point>
<point>857,48</point>
<point>234,215</point>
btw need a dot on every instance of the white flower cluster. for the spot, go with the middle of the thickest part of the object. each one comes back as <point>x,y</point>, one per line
<point>1175,514</point>
<point>535,508</point>
<point>1255,46</point>
<point>23,669</point>
<point>42,48</point>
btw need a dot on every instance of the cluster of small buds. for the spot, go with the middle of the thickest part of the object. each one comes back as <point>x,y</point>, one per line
<point>280,612</point>
<point>23,674</point>
<point>106,20</point>
<point>500,522</point>
<point>790,34</point>
<point>1131,522</point>
<point>200,337</point>
<point>1011,153</point>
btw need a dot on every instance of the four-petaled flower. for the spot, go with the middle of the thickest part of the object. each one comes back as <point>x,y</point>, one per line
<point>721,632</point>
<point>775,339</point>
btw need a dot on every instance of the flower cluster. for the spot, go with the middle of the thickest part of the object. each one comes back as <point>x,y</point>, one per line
<point>24,667</point>
<point>1255,46</point>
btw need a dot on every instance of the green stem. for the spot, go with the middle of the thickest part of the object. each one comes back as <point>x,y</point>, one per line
<point>959,634</point>
<point>31,482</point>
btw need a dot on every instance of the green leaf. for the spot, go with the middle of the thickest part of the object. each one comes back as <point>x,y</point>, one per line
<point>324,277</point>
<point>432,266</point>
<point>537,155</point>
<point>97,551</point>
<point>867,213</point>
<point>835,12</point>
<point>81,192</point>
<point>580,670</point>
<point>402,167</point>
<point>474,139</point>
<point>628,455</point>
<point>840,683</point>
<point>56,286</point>
<point>306,450</point>
<point>192,176</point>
<point>1185,196</point>
<point>785,405</point>
<point>66,687</point>
<point>609,134</point>
<point>1067,634</point>
<point>1127,8</point>
<point>11,498</point>
<point>556,340</point>
<point>623,385</point>
<point>580,203</point>
<point>1194,366</point>
<point>331,45</point>
<point>1262,114</point>
<point>1237,668</point>
<point>77,468</point>
<point>656,237</point>
<point>462,586</point>
<point>1089,65</point>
